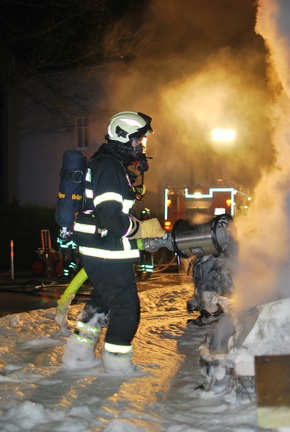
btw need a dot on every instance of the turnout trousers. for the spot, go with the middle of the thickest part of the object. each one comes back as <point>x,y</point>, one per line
<point>114,294</point>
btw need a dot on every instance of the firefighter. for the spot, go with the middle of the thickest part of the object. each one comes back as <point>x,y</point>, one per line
<point>106,233</point>
<point>68,251</point>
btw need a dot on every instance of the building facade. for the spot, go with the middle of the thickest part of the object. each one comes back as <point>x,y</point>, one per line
<point>41,118</point>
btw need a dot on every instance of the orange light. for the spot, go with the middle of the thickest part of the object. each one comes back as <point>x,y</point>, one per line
<point>169,202</point>
<point>167,225</point>
<point>228,202</point>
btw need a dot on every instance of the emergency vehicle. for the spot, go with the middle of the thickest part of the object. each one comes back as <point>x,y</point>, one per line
<point>189,203</point>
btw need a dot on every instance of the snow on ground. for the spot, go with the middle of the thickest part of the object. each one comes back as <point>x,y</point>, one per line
<point>38,393</point>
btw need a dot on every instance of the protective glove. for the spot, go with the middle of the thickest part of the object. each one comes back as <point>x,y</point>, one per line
<point>146,229</point>
<point>65,233</point>
<point>65,239</point>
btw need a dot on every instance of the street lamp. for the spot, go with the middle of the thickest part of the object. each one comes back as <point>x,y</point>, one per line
<point>223,135</point>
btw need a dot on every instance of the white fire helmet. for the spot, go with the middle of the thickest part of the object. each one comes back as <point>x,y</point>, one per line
<point>126,125</point>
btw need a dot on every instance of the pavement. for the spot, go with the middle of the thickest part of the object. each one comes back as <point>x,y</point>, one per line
<point>6,279</point>
<point>24,292</point>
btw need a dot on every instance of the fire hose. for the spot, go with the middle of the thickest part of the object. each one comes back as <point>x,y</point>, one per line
<point>214,237</point>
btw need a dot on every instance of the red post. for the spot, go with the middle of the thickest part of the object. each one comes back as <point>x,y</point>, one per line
<point>12,258</point>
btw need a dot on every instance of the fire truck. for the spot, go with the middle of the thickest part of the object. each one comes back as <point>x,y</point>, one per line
<point>189,203</point>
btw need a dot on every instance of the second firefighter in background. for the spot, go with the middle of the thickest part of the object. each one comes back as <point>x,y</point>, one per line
<point>107,233</point>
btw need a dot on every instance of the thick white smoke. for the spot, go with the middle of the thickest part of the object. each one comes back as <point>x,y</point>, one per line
<point>203,68</point>
<point>263,270</point>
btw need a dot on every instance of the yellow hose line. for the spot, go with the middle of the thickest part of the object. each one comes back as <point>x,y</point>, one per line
<point>70,292</point>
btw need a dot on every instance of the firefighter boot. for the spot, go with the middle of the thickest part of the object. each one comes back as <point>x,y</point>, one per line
<point>79,350</point>
<point>116,362</point>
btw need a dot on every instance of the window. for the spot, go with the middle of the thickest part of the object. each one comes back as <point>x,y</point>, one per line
<point>82,132</point>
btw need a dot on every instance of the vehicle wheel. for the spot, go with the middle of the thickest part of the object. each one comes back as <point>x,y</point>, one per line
<point>38,267</point>
<point>59,268</point>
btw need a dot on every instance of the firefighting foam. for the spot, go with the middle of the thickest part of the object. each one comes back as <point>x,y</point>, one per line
<point>262,274</point>
<point>36,394</point>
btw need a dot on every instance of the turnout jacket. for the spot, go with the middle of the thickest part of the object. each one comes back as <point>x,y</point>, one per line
<point>103,228</point>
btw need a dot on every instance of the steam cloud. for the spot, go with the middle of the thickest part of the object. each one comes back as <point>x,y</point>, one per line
<point>204,68</point>
<point>207,67</point>
<point>263,273</point>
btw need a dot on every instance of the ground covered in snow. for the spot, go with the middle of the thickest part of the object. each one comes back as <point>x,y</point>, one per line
<point>165,394</point>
